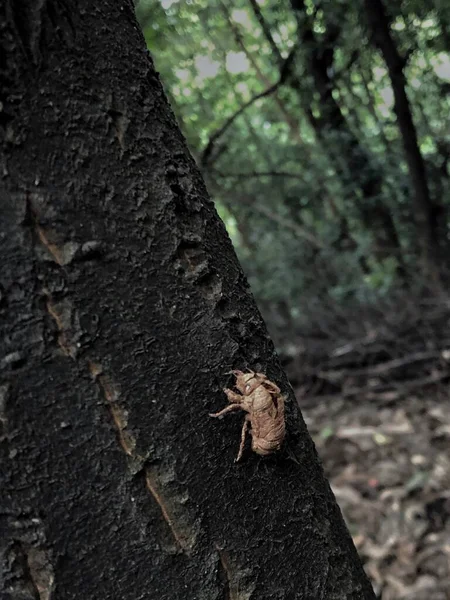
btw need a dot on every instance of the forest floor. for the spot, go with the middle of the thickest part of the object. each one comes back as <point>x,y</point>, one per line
<point>387,457</point>
<point>373,387</point>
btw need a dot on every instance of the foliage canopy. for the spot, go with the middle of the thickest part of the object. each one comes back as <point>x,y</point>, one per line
<point>312,121</point>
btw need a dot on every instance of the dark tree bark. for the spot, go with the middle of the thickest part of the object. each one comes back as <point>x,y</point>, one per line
<point>423,213</point>
<point>122,307</point>
<point>351,160</point>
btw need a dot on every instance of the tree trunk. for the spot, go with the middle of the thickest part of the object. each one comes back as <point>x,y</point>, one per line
<point>122,308</point>
<point>349,157</point>
<point>423,213</point>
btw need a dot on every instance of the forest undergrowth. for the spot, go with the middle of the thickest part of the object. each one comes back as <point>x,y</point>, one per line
<point>373,389</point>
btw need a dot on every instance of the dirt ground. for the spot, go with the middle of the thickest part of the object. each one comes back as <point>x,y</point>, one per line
<point>388,462</point>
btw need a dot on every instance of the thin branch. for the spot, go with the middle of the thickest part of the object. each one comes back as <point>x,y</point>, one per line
<point>253,174</point>
<point>223,147</point>
<point>381,368</point>
<point>267,32</point>
<point>270,90</point>
<point>387,392</point>
<point>289,119</point>
<point>300,231</point>
<point>217,134</point>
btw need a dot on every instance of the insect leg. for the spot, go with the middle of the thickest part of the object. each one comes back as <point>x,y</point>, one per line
<point>233,396</point>
<point>226,410</point>
<point>243,434</point>
<point>272,387</point>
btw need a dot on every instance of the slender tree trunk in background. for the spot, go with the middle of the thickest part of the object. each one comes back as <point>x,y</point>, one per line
<point>350,159</point>
<point>291,122</point>
<point>423,207</point>
<point>122,307</point>
<point>267,33</point>
<point>443,15</point>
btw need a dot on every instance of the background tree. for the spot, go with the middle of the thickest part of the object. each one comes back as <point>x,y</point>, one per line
<point>327,158</point>
<point>423,207</point>
<point>122,307</point>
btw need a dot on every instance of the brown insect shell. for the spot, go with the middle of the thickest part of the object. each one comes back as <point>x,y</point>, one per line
<point>259,400</point>
<point>246,383</point>
<point>262,400</point>
<point>268,427</point>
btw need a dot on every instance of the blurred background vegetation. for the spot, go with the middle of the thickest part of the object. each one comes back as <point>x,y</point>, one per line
<point>322,130</point>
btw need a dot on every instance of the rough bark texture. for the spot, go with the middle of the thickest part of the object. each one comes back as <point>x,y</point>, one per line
<point>423,212</point>
<point>122,308</point>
